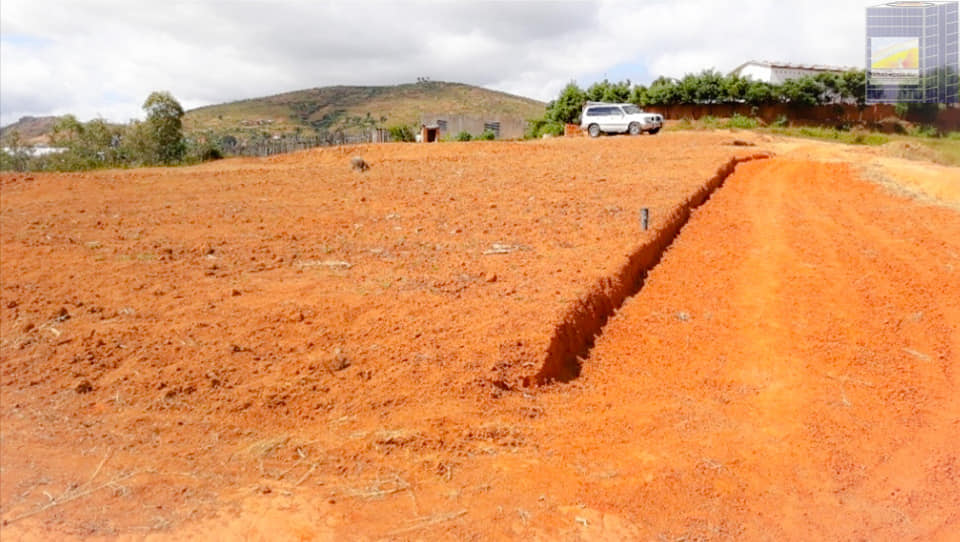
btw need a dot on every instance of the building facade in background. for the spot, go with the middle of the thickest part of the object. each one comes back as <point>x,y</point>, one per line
<point>444,125</point>
<point>778,72</point>
<point>911,52</point>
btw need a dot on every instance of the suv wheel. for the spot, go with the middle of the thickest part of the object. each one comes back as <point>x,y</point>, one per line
<point>635,128</point>
<point>655,130</point>
<point>593,130</point>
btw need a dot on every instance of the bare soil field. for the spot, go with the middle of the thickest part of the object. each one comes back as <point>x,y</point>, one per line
<point>287,349</point>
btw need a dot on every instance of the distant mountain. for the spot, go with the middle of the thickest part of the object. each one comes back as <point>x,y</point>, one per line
<point>328,109</point>
<point>32,130</point>
<point>340,107</point>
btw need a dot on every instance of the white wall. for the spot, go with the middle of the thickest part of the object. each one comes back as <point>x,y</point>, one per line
<point>774,75</point>
<point>758,73</point>
<point>779,75</point>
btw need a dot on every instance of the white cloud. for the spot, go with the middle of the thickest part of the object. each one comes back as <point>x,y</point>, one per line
<point>102,57</point>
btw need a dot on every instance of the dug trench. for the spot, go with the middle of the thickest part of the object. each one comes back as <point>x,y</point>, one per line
<point>574,336</point>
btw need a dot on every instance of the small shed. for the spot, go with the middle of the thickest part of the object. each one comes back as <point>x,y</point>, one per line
<point>429,133</point>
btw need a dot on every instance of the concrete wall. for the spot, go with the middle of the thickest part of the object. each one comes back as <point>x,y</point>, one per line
<point>510,128</point>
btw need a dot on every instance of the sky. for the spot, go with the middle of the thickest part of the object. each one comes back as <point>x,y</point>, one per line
<point>101,58</point>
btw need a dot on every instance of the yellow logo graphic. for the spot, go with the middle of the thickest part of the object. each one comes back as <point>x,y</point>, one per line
<point>901,54</point>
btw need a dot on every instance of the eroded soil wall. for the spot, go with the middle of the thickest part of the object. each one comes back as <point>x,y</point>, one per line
<point>574,336</point>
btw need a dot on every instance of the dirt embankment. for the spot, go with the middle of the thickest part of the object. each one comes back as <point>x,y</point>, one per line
<point>196,336</point>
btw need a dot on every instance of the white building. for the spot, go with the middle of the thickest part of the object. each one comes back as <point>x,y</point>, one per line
<point>778,72</point>
<point>37,150</point>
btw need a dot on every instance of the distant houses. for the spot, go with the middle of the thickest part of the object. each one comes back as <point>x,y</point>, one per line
<point>36,150</point>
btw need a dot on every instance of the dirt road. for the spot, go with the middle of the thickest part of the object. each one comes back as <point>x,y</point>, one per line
<point>788,372</point>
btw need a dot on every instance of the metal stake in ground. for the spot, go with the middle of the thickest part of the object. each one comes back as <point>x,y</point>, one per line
<point>645,218</point>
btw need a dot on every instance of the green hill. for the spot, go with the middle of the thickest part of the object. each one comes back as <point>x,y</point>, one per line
<point>329,109</point>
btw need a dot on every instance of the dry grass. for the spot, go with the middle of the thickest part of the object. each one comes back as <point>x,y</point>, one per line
<point>78,492</point>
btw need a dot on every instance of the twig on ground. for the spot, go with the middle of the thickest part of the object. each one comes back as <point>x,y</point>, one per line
<point>67,497</point>
<point>306,475</point>
<point>100,466</point>
<point>427,522</point>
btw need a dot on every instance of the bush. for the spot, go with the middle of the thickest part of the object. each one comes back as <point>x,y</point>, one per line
<point>401,133</point>
<point>924,130</point>
<point>210,153</point>
<point>487,135</point>
<point>538,127</point>
<point>781,122</point>
<point>739,121</point>
<point>464,136</point>
<point>710,121</point>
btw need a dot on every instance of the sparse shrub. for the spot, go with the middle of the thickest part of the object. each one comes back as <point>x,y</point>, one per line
<point>710,121</point>
<point>357,163</point>
<point>781,122</point>
<point>742,122</point>
<point>487,135</point>
<point>924,130</point>
<point>464,136</point>
<point>683,124</point>
<point>892,125</point>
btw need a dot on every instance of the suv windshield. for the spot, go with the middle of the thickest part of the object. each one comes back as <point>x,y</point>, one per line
<point>632,109</point>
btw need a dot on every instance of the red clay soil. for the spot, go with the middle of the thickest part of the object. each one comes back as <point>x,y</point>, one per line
<point>789,371</point>
<point>288,327</point>
<point>284,349</point>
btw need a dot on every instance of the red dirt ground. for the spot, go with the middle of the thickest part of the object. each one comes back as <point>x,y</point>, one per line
<point>283,348</point>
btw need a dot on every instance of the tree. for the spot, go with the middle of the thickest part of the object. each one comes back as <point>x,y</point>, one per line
<point>709,87</point>
<point>804,91</point>
<point>567,107</point>
<point>760,93</point>
<point>639,96</point>
<point>663,91</point>
<point>165,124</point>
<point>854,86</point>
<point>138,146</point>
<point>88,145</point>
<point>605,91</point>
<point>735,88</point>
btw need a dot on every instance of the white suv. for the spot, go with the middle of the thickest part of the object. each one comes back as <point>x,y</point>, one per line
<point>618,118</point>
